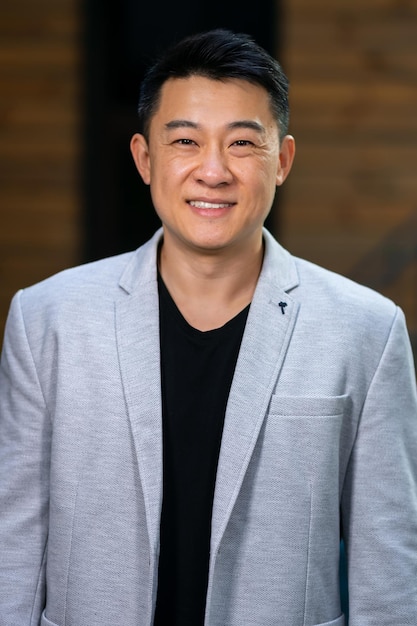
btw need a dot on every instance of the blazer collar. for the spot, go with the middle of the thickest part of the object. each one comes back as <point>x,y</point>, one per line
<point>278,266</point>
<point>142,267</point>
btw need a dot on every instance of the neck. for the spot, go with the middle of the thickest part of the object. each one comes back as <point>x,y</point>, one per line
<point>210,288</point>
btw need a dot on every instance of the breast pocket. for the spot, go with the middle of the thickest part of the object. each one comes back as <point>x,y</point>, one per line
<point>302,437</point>
<point>308,406</point>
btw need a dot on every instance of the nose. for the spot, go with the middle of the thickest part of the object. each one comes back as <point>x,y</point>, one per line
<point>212,168</point>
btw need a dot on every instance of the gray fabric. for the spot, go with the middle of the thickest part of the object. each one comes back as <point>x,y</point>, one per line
<point>322,412</point>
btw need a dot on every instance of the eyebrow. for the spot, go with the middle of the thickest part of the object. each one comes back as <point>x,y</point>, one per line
<point>248,124</point>
<point>181,124</point>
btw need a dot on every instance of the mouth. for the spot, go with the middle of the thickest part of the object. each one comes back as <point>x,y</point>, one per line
<point>198,204</point>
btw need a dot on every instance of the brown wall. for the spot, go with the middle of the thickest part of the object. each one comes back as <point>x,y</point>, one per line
<point>351,201</point>
<point>39,142</point>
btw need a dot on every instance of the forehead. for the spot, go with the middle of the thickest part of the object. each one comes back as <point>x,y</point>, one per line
<point>204,100</point>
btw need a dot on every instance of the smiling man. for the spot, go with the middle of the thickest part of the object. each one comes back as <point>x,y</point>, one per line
<point>188,430</point>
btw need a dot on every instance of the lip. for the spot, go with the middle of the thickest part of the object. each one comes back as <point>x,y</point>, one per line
<point>212,204</point>
<point>211,209</point>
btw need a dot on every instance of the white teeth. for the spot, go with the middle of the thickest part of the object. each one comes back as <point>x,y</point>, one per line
<point>209,205</point>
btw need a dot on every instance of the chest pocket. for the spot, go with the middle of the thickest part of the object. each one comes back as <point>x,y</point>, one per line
<point>309,406</point>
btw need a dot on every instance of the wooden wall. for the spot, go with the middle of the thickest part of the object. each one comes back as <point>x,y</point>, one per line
<point>351,201</point>
<point>39,142</point>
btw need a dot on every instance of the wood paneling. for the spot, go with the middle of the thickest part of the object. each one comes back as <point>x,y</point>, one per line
<point>39,142</point>
<point>353,190</point>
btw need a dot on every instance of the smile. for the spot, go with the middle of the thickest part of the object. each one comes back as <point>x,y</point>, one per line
<point>210,205</point>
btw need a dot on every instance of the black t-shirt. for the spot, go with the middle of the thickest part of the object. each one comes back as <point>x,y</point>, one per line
<point>196,371</point>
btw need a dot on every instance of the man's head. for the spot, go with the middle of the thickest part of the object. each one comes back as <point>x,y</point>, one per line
<point>217,55</point>
<point>213,146</point>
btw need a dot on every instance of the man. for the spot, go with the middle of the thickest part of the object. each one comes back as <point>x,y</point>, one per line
<point>187,430</point>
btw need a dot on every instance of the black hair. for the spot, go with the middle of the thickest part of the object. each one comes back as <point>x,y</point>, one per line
<point>219,55</point>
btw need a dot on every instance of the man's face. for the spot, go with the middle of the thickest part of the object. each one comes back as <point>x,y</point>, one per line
<point>212,161</point>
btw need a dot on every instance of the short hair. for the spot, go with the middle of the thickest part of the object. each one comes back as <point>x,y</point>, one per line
<point>219,55</point>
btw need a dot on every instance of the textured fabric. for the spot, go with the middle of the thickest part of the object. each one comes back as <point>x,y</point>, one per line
<point>321,418</point>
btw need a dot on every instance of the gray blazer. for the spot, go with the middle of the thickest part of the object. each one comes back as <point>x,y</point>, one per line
<point>320,434</point>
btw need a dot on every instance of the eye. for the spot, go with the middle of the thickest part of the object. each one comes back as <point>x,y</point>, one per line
<point>185,142</point>
<point>243,142</point>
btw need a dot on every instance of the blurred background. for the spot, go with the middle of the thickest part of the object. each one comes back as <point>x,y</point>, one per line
<point>69,80</point>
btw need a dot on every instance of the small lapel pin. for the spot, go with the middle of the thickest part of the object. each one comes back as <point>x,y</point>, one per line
<point>282,306</point>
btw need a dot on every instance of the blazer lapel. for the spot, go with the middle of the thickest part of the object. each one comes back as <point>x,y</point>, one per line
<point>268,331</point>
<point>137,327</point>
<point>271,319</point>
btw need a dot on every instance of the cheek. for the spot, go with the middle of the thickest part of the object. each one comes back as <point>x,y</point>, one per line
<point>263,185</point>
<point>166,188</point>
<point>174,162</point>
<point>160,177</point>
<point>258,177</point>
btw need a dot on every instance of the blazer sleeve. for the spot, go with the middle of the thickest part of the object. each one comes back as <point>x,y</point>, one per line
<point>25,435</point>
<point>379,501</point>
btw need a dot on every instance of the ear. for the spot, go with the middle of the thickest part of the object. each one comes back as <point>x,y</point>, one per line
<point>286,158</point>
<point>140,152</point>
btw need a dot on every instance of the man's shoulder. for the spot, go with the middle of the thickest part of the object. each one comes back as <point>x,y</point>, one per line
<point>100,275</point>
<point>316,287</point>
<point>342,297</point>
<point>91,285</point>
